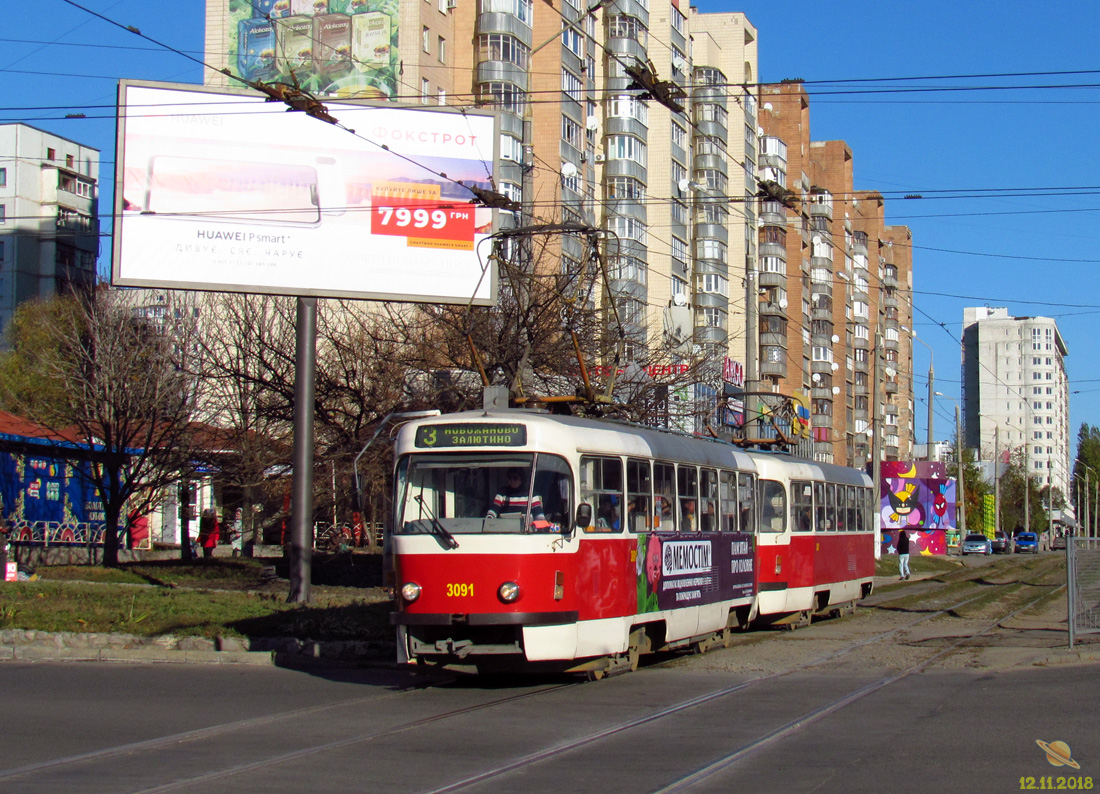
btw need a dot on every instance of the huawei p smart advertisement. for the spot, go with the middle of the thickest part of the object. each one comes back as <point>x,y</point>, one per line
<point>224,190</point>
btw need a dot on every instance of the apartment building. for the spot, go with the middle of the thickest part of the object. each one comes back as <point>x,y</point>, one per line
<point>49,227</point>
<point>1016,392</point>
<point>834,286</point>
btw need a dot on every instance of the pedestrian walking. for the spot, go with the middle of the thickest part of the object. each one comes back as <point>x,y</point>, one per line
<point>903,554</point>
<point>208,533</point>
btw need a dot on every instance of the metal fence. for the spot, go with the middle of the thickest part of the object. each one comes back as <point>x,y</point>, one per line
<point>1083,578</point>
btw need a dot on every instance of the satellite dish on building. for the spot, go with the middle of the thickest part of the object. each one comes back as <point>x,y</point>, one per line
<point>680,299</point>
<point>834,366</point>
<point>767,106</point>
<point>568,170</point>
<point>835,339</point>
<point>760,131</point>
<point>782,303</point>
<point>684,184</point>
<point>836,390</point>
<point>891,372</point>
<point>816,377</point>
<point>592,123</point>
<point>817,240</point>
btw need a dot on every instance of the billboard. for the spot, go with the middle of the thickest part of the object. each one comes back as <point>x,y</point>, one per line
<point>223,190</point>
<point>339,48</point>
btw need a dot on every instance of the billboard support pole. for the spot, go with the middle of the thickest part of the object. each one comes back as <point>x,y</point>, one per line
<point>301,515</point>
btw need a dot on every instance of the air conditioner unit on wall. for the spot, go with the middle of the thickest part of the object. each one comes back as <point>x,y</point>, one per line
<point>452,5</point>
<point>600,158</point>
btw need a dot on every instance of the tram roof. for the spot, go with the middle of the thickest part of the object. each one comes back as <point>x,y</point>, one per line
<point>612,437</point>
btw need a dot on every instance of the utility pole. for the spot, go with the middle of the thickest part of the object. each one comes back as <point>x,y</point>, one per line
<point>962,468</point>
<point>1027,486</point>
<point>997,478</point>
<point>876,441</point>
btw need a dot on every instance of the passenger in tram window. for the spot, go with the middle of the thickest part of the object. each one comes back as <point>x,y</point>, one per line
<point>805,519</point>
<point>638,515</point>
<point>607,516</point>
<point>514,499</point>
<point>689,519</point>
<point>710,524</point>
<point>663,519</point>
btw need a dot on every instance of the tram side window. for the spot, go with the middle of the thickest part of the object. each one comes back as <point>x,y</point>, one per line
<point>830,506</point>
<point>821,520</point>
<point>802,504</point>
<point>664,490</point>
<point>727,502</point>
<point>687,489</point>
<point>602,488</point>
<point>639,495</point>
<point>863,514</point>
<point>773,506</point>
<point>708,500</point>
<point>853,507</point>
<point>746,497</point>
<point>841,508</point>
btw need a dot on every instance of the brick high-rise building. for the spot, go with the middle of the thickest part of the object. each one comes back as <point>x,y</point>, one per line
<point>829,275</point>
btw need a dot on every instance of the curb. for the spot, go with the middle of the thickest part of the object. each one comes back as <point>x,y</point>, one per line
<point>42,646</point>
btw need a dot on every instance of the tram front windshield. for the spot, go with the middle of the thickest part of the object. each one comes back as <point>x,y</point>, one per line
<point>475,494</point>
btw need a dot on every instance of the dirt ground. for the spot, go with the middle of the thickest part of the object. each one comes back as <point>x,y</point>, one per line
<point>995,638</point>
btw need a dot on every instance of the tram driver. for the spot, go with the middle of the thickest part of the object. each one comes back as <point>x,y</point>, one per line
<point>514,499</point>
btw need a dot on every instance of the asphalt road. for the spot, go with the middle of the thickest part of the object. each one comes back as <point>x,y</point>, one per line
<point>909,713</point>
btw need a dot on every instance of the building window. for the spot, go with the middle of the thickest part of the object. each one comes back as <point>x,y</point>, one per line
<point>441,96</point>
<point>51,154</point>
<point>572,86</point>
<point>442,50</point>
<point>425,90</point>
<point>625,187</point>
<point>679,135</point>
<point>629,107</point>
<point>678,20</point>
<point>502,47</point>
<point>3,213</point>
<point>717,285</point>
<point>571,38</point>
<point>571,132</point>
<point>626,147</point>
<point>517,8</point>
<point>627,27</point>
<point>506,96</point>
<point>712,317</point>
<point>3,177</point>
<point>426,39</point>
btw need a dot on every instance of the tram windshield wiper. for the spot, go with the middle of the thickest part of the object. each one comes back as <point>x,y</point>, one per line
<point>445,537</point>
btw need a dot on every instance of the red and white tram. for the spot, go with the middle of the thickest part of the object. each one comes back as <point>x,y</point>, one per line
<point>524,540</point>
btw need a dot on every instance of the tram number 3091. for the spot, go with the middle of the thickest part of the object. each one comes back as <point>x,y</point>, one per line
<point>460,590</point>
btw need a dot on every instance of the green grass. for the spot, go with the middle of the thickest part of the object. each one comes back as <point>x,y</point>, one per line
<point>207,599</point>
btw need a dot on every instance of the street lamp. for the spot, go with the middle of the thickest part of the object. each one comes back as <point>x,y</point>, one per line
<point>961,466</point>
<point>1087,511</point>
<point>931,387</point>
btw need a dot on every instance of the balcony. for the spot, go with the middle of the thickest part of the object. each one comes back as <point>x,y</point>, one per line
<point>776,368</point>
<point>859,243</point>
<point>892,388</point>
<point>890,279</point>
<point>821,204</point>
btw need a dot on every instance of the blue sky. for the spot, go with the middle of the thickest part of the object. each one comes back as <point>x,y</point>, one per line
<point>1034,251</point>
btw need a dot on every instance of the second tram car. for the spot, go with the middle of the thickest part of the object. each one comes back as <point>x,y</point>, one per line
<point>523,540</point>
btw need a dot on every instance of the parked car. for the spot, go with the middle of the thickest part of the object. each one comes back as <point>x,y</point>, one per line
<point>1059,542</point>
<point>1002,543</point>
<point>977,544</point>
<point>1027,542</point>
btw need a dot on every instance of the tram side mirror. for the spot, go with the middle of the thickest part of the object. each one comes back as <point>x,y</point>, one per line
<point>584,516</point>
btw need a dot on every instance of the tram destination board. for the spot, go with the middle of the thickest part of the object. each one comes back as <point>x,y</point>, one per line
<point>471,435</point>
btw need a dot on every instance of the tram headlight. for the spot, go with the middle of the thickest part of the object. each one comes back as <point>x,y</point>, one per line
<point>508,592</point>
<point>410,591</point>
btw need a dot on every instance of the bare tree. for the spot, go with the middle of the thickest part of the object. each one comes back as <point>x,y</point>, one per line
<point>119,385</point>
